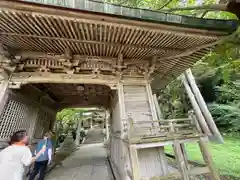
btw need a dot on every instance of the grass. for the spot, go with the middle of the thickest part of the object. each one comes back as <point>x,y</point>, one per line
<point>226,156</point>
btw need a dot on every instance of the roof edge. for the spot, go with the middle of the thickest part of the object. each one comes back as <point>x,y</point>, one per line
<point>228,26</point>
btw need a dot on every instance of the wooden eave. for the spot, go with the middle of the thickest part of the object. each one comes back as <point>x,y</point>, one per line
<point>176,42</point>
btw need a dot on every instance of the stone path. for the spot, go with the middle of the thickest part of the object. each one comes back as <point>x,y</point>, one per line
<point>94,135</point>
<point>89,162</point>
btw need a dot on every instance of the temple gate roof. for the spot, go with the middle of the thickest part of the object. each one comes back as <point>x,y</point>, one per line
<point>79,36</point>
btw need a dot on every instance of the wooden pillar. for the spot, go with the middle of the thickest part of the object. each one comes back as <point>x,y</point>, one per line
<point>4,81</point>
<point>106,124</point>
<point>197,110</point>
<point>134,162</point>
<point>190,78</point>
<point>151,101</point>
<point>159,112</point>
<point>121,107</point>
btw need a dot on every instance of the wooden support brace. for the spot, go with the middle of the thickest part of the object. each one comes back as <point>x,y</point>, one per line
<point>208,159</point>
<point>197,110</point>
<point>163,160</point>
<point>202,105</point>
<point>180,160</point>
<point>185,155</point>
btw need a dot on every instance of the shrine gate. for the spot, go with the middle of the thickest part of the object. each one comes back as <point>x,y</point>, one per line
<point>82,53</point>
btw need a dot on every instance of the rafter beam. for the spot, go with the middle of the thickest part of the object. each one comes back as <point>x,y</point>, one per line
<point>190,51</point>
<point>118,45</point>
<point>45,92</point>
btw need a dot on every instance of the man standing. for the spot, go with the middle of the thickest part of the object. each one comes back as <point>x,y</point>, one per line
<point>82,136</point>
<point>45,159</point>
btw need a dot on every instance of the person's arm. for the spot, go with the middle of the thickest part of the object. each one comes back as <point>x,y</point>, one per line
<point>27,158</point>
<point>50,155</point>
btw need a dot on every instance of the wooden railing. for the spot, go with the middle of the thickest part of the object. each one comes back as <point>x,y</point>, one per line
<point>163,129</point>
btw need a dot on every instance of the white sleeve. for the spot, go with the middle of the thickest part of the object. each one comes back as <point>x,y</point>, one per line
<point>27,157</point>
<point>50,154</point>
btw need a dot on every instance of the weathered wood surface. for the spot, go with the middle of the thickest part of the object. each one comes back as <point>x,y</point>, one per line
<point>137,103</point>
<point>163,129</point>
<point>152,162</point>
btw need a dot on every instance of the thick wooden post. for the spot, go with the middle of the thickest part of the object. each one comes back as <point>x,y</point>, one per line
<point>159,112</point>
<point>190,78</point>
<point>121,107</point>
<point>106,124</point>
<point>134,162</point>
<point>196,108</point>
<point>151,101</point>
<point>3,90</point>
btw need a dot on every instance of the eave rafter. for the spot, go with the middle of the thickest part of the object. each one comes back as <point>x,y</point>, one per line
<point>154,50</point>
<point>83,43</point>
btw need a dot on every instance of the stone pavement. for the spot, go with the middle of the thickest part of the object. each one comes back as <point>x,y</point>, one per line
<point>94,135</point>
<point>89,162</point>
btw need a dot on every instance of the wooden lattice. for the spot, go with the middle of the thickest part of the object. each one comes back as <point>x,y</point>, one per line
<point>43,124</point>
<point>13,118</point>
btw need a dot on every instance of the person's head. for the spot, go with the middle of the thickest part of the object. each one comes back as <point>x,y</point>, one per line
<point>48,135</point>
<point>19,137</point>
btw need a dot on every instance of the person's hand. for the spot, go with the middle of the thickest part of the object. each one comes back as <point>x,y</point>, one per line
<point>49,162</point>
<point>43,149</point>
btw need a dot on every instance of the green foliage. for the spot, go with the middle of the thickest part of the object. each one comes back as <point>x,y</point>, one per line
<point>226,116</point>
<point>68,117</point>
<point>229,166</point>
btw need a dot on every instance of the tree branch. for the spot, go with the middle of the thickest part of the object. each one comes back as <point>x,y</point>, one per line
<point>212,7</point>
<point>204,14</point>
<point>164,5</point>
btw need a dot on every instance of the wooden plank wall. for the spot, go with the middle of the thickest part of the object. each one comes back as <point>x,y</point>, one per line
<point>139,103</point>
<point>150,160</point>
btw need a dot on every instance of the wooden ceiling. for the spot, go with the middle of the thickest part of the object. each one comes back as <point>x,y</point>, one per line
<point>163,51</point>
<point>75,95</point>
